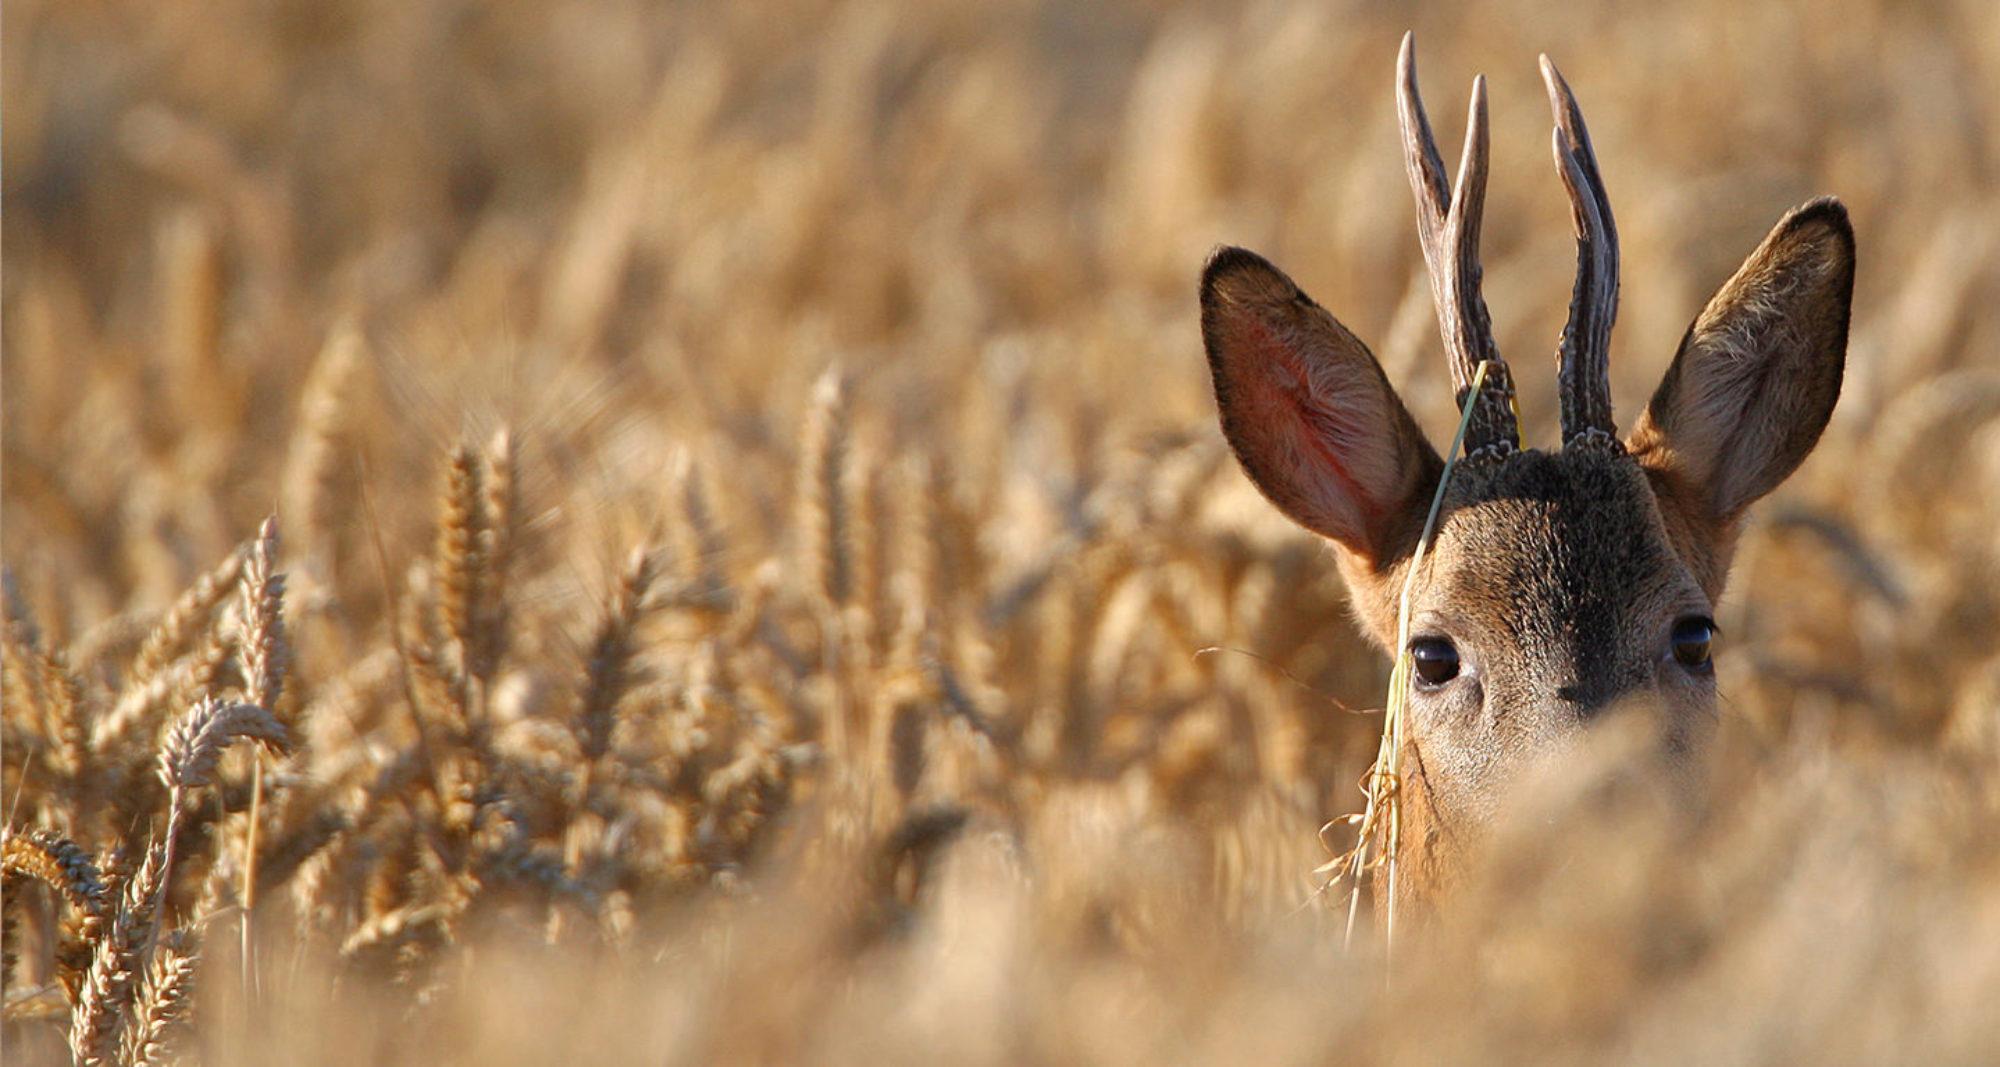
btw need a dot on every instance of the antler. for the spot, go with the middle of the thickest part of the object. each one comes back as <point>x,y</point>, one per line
<point>1583,355</point>
<point>1448,228</point>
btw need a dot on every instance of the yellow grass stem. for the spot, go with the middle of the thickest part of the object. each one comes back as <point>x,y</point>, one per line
<point>1382,819</point>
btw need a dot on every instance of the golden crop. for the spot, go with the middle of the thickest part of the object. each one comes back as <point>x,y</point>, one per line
<point>756,577</point>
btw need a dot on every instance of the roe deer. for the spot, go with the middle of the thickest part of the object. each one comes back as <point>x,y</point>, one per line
<point>1557,583</point>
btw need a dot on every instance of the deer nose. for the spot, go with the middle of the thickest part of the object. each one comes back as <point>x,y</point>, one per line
<point>1584,702</point>
<point>1588,698</point>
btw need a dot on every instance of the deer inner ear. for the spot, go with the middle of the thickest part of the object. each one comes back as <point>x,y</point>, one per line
<point>1307,410</point>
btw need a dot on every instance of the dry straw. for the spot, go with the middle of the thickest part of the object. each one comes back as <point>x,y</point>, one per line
<point>995,556</point>
<point>1381,825</point>
<point>609,672</point>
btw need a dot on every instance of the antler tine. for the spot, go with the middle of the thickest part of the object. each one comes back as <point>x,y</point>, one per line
<point>1420,151</point>
<point>1448,229</point>
<point>1583,355</point>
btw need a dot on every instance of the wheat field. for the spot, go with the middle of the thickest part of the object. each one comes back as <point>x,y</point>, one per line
<point>697,533</point>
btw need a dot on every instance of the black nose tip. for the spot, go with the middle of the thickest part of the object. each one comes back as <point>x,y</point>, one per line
<point>1588,700</point>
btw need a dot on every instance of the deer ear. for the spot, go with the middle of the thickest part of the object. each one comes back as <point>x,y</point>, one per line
<point>1308,411</point>
<point>1759,370</point>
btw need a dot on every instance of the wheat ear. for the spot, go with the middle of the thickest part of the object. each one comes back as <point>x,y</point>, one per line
<point>823,506</point>
<point>185,619</point>
<point>160,1004</point>
<point>608,674</point>
<point>264,652</point>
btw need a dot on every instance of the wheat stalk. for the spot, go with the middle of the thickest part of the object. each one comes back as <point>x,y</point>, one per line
<point>67,869</point>
<point>500,532</point>
<point>63,697</point>
<point>1382,819</point>
<point>262,647</point>
<point>460,547</point>
<point>193,747</point>
<point>161,1003</point>
<point>313,464</point>
<point>119,958</point>
<point>822,489</point>
<point>608,670</point>
<point>264,653</point>
<point>57,862</point>
<point>185,619</point>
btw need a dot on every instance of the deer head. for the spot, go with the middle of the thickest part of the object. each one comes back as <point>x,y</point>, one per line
<point>1558,584</point>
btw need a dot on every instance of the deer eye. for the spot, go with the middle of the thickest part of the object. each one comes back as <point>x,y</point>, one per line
<point>1692,640</point>
<point>1436,660</point>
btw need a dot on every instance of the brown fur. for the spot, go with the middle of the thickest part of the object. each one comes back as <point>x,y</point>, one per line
<point>1752,385</point>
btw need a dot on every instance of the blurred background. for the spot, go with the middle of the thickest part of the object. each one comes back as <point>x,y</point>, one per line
<point>882,318</point>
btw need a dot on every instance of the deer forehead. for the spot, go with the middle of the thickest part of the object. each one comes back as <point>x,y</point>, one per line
<point>1561,557</point>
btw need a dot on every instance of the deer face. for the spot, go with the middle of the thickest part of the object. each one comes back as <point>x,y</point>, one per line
<point>1556,595</point>
<point>1558,584</point>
